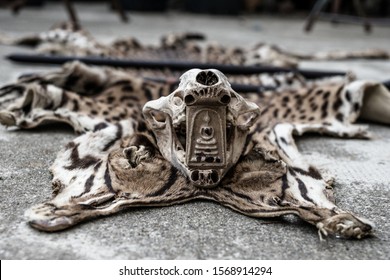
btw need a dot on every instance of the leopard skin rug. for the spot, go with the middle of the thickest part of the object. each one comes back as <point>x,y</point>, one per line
<point>135,146</point>
<point>66,39</point>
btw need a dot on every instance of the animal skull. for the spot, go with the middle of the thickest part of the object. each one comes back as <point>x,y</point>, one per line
<point>201,127</point>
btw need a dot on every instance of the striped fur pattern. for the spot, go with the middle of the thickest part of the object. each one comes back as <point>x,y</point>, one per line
<point>103,170</point>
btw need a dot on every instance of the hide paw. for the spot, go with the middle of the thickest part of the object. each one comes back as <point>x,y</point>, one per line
<point>345,225</point>
<point>44,217</point>
<point>137,154</point>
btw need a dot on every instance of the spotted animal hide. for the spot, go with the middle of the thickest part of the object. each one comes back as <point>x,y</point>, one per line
<point>104,170</point>
<point>65,39</point>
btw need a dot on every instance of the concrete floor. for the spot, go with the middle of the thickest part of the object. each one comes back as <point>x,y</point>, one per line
<point>198,230</point>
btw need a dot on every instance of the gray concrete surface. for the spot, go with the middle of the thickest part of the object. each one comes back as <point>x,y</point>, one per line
<point>198,230</point>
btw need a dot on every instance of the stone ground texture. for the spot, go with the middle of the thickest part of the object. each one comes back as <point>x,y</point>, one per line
<point>197,230</point>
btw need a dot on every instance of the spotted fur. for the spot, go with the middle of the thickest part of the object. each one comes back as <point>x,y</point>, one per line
<point>66,39</point>
<point>103,170</point>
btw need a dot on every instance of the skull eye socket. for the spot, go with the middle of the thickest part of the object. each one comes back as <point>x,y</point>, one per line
<point>159,116</point>
<point>246,120</point>
<point>225,99</point>
<point>189,99</point>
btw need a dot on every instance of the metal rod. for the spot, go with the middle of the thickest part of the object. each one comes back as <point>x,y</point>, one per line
<point>72,13</point>
<point>386,84</point>
<point>118,7</point>
<point>173,65</point>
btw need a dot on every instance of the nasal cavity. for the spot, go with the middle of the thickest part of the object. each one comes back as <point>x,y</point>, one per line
<point>207,78</point>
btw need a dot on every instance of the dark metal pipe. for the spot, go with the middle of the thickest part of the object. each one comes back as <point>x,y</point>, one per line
<point>386,84</point>
<point>173,65</point>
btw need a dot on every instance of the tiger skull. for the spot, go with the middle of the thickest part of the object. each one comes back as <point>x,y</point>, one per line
<point>202,126</point>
